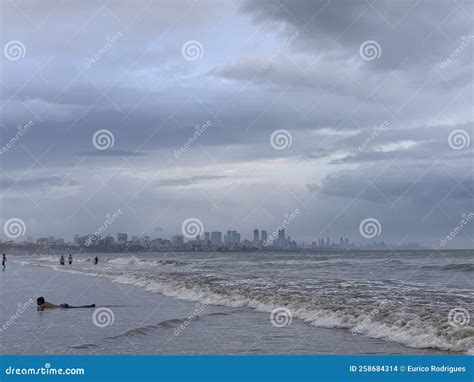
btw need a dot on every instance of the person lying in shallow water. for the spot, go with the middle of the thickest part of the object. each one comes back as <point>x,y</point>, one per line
<point>43,304</point>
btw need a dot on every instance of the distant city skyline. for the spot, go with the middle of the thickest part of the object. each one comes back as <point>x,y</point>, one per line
<point>211,240</point>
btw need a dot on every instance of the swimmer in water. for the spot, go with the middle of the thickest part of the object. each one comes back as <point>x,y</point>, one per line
<point>43,304</point>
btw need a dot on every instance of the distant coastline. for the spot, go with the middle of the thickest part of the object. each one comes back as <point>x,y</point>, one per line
<point>70,248</point>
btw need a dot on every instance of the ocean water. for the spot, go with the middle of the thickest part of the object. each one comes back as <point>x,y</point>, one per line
<point>381,302</point>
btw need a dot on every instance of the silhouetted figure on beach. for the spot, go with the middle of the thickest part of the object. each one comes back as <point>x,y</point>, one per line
<point>4,261</point>
<point>61,260</point>
<point>96,260</point>
<point>69,260</point>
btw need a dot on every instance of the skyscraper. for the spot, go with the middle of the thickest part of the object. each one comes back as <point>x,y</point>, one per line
<point>264,236</point>
<point>216,238</point>
<point>256,236</point>
<point>207,236</point>
<point>235,237</point>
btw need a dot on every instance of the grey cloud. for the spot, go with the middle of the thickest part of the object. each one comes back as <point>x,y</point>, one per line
<point>109,152</point>
<point>193,180</point>
<point>39,182</point>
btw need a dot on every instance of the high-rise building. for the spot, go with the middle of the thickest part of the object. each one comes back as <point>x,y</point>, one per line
<point>228,237</point>
<point>207,236</point>
<point>281,240</point>
<point>256,236</point>
<point>235,237</point>
<point>264,236</point>
<point>177,240</point>
<point>122,238</point>
<point>216,238</point>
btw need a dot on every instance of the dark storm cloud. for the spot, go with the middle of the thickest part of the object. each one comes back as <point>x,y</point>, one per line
<point>409,32</point>
<point>420,188</point>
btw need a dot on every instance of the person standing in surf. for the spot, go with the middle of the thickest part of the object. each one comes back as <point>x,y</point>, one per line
<point>4,261</point>
<point>61,260</point>
<point>70,259</point>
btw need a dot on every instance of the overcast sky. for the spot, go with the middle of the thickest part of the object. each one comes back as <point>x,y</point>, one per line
<point>318,75</point>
